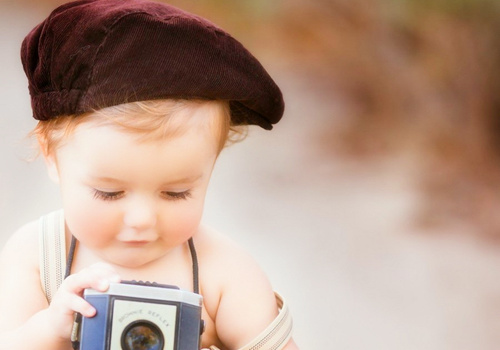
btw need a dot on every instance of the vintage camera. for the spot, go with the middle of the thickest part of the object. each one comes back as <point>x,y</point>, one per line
<point>142,316</point>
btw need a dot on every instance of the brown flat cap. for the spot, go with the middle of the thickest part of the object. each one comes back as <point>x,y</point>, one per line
<point>91,54</point>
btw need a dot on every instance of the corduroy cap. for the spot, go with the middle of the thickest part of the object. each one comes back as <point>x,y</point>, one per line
<point>91,54</point>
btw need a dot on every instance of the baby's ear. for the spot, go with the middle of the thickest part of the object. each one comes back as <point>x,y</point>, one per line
<point>52,169</point>
<point>50,161</point>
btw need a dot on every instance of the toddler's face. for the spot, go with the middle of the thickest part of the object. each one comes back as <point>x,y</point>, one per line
<point>133,201</point>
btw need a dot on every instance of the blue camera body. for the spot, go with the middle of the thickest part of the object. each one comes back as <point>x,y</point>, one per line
<point>142,316</point>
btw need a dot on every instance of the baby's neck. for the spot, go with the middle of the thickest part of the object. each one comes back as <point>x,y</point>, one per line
<point>174,267</point>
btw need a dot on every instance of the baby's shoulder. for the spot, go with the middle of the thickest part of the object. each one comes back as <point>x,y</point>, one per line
<point>226,268</point>
<point>218,251</point>
<point>19,259</point>
<point>23,243</point>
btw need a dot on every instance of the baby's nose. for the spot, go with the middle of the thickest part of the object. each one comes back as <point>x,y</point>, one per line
<point>140,216</point>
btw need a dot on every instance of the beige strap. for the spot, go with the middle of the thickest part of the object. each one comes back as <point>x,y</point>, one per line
<point>276,335</point>
<point>52,252</point>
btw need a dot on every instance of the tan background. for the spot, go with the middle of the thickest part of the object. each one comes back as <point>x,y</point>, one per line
<point>373,204</point>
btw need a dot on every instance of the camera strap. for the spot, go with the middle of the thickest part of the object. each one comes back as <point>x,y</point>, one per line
<point>75,333</point>
<point>52,243</point>
<point>194,259</point>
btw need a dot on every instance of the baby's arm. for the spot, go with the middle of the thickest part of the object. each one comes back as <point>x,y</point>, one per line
<point>26,319</point>
<point>247,304</point>
<point>247,307</point>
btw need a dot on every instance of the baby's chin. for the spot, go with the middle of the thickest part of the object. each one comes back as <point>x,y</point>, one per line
<point>134,258</point>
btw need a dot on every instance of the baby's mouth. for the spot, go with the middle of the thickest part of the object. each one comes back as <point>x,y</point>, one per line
<point>136,243</point>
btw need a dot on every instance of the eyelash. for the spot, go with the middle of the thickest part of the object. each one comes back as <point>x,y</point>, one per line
<point>175,196</point>
<point>109,196</point>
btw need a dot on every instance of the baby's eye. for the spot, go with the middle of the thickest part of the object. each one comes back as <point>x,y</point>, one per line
<point>108,196</point>
<point>176,195</point>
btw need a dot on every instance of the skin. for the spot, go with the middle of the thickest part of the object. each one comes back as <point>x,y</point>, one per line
<point>132,205</point>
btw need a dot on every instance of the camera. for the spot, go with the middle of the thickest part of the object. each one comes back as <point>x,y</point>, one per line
<point>142,316</point>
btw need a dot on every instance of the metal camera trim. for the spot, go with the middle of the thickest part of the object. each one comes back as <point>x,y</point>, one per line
<point>153,293</point>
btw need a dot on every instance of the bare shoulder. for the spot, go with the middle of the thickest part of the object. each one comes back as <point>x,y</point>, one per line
<point>20,289</point>
<point>22,245</point>
<point>222,260</point>
<point>239,294</point>
<point>216,245</point>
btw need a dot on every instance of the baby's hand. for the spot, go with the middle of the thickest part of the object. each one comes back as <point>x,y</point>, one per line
<point>69,299</point>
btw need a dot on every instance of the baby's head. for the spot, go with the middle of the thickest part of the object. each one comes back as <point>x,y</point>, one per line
<point>136,174</point>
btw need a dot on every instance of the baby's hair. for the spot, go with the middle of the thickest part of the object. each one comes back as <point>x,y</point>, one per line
<point>150,120</point>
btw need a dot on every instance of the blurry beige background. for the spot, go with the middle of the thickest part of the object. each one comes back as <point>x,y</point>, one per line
<point>373,204</point>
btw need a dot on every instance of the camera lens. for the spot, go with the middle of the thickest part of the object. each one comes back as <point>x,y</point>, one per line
<point>142,335</point>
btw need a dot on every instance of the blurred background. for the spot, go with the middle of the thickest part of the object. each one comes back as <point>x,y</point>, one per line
<point>373,205</point>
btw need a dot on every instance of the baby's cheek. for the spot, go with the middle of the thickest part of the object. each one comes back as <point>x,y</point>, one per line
<point>183,222</point>
<point>95,227</point>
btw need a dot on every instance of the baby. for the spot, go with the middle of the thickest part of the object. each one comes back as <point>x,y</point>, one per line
<point>135,100</point>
